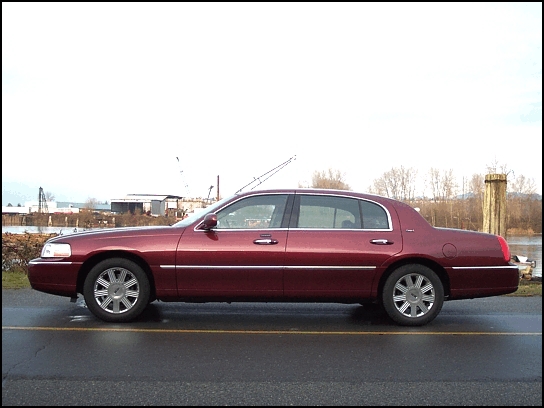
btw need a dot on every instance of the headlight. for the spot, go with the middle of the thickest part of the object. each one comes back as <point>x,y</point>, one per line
<point>56,251</point>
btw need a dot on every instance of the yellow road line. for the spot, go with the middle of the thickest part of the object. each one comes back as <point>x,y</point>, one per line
<point>341,333</point>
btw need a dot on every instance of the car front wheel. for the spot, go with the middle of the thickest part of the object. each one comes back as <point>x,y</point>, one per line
<point>413,295</point>
<point>116,290</point>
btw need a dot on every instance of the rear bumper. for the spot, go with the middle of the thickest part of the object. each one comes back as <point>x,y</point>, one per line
<point>482,281</point>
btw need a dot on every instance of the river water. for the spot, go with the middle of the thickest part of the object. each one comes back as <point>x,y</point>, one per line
<point>40,230</point>
<point>529,246</point>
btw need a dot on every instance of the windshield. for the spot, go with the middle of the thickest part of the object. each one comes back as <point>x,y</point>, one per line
<point>200,214</point>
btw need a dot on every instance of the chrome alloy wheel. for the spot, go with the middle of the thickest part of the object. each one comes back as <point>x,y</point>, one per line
<point>116,290</point>
<point>413,295</point>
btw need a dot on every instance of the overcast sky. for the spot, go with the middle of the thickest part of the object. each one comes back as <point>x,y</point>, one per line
<point>100,100</point>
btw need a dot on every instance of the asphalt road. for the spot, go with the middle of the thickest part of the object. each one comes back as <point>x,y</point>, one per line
<point>476,352</point>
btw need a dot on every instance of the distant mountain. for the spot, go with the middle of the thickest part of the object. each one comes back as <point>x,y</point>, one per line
<point>17,193</point>
<point>510,195</point>
<point>534,196</point>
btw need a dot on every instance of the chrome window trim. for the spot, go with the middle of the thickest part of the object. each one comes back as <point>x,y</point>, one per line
<point>309,192</point>
<point>343,229</point>
<point>298,229</point>
<point>353,198</point>
<point>244,229</point>
<point>235,201</point>
<point>328,267</point>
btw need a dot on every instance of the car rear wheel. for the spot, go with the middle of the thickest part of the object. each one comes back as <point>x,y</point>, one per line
<point>116,290</point>
<point>413,295</point>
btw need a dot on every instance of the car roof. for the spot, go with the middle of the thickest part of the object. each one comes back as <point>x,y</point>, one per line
<point>349,193</point>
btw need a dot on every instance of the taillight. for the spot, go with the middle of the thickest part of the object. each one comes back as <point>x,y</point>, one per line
<point>505,249</point>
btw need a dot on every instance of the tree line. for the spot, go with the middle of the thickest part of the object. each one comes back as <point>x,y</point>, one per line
<point>446,202</point>
<point>440,197</point>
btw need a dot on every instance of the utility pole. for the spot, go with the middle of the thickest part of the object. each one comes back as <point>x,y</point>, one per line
<point>495,204</point>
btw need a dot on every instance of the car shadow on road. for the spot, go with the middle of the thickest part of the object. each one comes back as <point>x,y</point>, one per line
<point>217,316</point>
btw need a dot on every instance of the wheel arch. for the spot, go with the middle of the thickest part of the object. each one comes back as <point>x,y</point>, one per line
<point>434,266</point>
<point>95,259</point>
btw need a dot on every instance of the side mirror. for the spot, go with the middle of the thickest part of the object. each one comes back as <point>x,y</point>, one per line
<point>209,221</point>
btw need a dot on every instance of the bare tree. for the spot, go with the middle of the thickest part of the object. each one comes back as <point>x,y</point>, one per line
<point>476,186</point>
<point>522,186</point>
<point>329,179</point>
<point>49,196</point>
<point>379,187</point>
<point>444,209</point>
<point>386,185</point>
<point>449,185</point>
<point>396,183</point>
<point>434,175</point>
<point>522,212</point>
<point>443,186</point>
<point>91,203</point>
<point>496,168</point>
<point>408,183</point>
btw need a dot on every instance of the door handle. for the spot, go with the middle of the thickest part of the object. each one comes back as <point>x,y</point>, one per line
<point>381,242</point>
<point>267,241</point>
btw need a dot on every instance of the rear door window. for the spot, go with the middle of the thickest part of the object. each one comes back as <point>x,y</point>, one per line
<point>321,211</point>
<point>330,212</point>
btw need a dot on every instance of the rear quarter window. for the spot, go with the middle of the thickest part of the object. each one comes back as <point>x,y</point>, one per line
<point>374,216</point>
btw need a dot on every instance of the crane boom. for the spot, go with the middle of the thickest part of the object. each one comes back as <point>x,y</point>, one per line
<point>42,202</point>
<point>184,183</point>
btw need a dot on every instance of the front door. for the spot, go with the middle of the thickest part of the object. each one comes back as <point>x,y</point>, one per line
<point>241,258</point>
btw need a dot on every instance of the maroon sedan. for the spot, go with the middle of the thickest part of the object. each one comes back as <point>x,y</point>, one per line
<point>299,245</point>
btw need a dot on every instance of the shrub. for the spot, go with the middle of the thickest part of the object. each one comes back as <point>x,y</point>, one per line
<point>19,249</point>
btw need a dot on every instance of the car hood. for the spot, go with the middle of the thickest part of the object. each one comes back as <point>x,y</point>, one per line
<point>115,232</point>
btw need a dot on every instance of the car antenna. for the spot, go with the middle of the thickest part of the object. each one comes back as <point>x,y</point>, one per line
<point>269,174</point>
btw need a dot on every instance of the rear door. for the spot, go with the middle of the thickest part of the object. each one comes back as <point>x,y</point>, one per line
<point>336,245</point>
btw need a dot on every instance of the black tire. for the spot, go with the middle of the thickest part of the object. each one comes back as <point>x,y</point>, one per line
<point>413,295</point>
<point>116,290</point>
